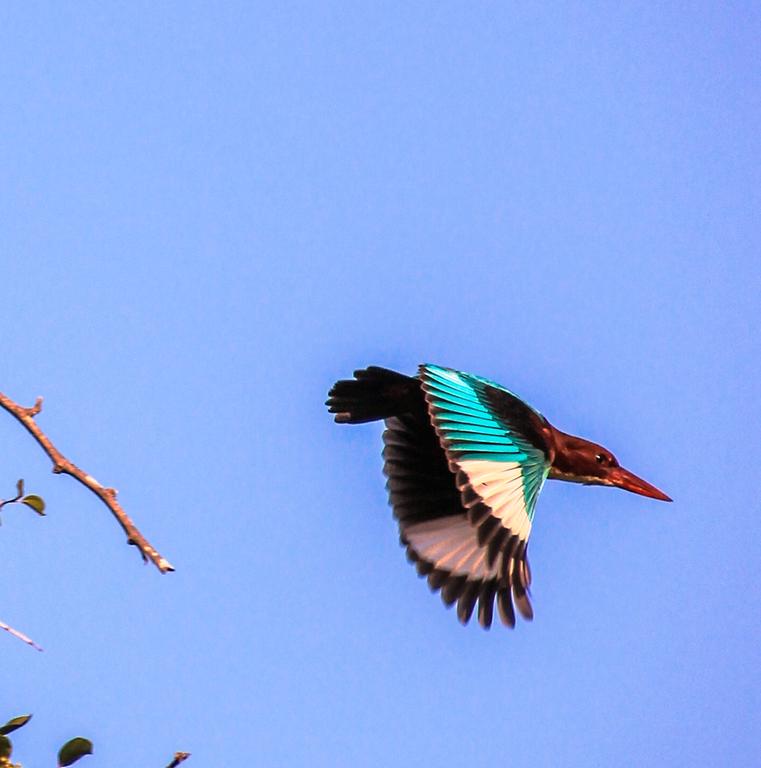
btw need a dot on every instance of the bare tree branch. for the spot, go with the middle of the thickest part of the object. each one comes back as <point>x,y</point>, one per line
<point>179,757</point>
<point>19,635</point>
<point>62,466</point>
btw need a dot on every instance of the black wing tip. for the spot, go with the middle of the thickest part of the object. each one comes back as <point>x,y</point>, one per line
<point>509,593</point>
<point>373,394</point>
<point>505,607</point>
<point>338,408</point>
<point>474,597</point>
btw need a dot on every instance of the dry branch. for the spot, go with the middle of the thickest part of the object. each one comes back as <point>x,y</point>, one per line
<point>62,466</point>
<point>19,635</point>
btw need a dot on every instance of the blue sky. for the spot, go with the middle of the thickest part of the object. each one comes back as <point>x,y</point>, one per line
<point>211,212</point>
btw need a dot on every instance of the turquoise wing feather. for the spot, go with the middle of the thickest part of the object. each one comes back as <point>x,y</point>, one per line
<point>492,442</point>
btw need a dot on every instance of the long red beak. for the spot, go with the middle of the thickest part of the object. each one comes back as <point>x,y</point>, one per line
<point>622,478</point>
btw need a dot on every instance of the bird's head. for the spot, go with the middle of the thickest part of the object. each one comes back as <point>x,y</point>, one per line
<point>582,461</point>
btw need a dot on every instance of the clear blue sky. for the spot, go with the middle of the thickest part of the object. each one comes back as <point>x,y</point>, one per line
<point>212,211</point>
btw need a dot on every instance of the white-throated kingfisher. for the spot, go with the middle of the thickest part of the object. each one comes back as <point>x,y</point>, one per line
<point>465,461</point>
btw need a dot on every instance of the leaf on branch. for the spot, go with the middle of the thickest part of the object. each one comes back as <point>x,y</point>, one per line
<point>6,748</point>
<point>72,750</point>
<point>37,503</point>
<point>15,724</point>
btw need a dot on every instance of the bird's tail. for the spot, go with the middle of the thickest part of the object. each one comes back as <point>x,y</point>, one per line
<point>374,393</point>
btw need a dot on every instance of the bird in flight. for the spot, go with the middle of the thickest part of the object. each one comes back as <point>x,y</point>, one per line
<point>465,461</point>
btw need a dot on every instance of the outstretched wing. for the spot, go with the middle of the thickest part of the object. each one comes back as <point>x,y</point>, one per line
<point>497,450</point>
<point>433,524</point>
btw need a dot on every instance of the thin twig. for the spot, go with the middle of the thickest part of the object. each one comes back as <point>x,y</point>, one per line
<point>19,635</point>
<point>62,466</point>
<point>17,497</point>
<point>179,757</point>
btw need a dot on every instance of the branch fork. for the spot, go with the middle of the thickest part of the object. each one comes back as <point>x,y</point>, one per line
<point>62,466</point>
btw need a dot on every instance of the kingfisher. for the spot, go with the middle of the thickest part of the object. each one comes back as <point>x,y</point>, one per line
<point>465,460</point>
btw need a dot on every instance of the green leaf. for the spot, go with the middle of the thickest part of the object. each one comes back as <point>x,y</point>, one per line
<point>35,502</point>
<point>72,750</point>
<point>15,723</point>
<point>5,746</point>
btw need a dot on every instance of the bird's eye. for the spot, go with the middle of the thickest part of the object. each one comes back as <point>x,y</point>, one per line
<point>601,458</point>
